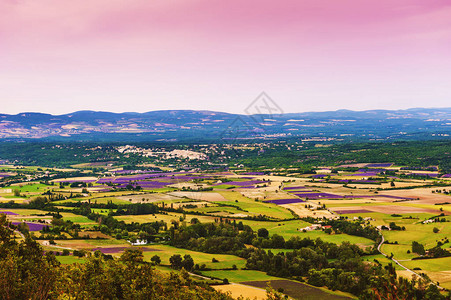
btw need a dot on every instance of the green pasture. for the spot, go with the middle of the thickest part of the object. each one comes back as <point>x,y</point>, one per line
<point>399,251</point>
<point>337,238</point>
<point>32,188</point>
<point>381,259</point>
<point>98,200</point>
<point>422,233</point>
<point>224,260</point>
<point>433,264</point>
<point>239,275</point>
<point>70,259</point>
<point>77,218</point>
<point>287,229</point>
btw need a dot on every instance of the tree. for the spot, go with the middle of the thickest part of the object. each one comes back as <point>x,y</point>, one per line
<point>25,273</point>
<point>176,261</point>
<point>156,259</point>
<point>263,232</point>
<point>418,248</point>
<point>435,230</point>
<point>188,262</point>
<point>132,256</point>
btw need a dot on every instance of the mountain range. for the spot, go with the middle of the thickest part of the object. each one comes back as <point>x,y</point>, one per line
<point>191,125</point>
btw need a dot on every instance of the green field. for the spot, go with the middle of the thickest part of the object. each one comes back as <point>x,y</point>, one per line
<point>77,218</point>
<point>239,275</point>
<point>382,260</point>
<point>288,229</point>
<point>255,207</point>
<point>33,188</point>
<point>225,261</point>
<point>433,264</point>
<point>99,200</point>
<point>421,233</point>
<point>70,259</point>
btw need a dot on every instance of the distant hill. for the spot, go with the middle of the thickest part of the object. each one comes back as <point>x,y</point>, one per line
<point>190,125</point>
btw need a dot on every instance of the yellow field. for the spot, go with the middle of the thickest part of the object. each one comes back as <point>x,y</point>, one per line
<point>236,290</point>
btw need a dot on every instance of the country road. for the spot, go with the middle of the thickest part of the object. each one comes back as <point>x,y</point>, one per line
<point>399,264</point>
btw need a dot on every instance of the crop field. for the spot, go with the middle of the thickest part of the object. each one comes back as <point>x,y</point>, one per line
<point>256,207</point>
<point>200,196</point>
<point>153,197</point>
<point>241,290</point>
<point>315,204</point>
<point>166,218</point>
<point>298,290</point>
<point>25,212</point>
<point>302,211</point>
<point>216,210</point>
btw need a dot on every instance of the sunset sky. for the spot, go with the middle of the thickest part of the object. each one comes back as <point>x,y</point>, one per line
<point>59,56</point>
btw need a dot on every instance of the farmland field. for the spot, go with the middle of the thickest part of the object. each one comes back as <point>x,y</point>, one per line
<point>248,230</point>
<point>298,290</point>
<point>240,290</point>
<point>239,276</point>
<point>224,261</point>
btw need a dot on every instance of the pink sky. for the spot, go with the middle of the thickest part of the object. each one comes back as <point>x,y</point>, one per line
<point>59,56</point>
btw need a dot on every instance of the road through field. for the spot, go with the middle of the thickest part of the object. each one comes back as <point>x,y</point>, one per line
<point>398,263</point>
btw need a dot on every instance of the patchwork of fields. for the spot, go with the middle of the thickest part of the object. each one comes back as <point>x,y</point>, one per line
<point>294,208</point>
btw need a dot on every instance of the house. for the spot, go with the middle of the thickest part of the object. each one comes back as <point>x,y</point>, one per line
<point>311,227</point>
<point>138,242</point>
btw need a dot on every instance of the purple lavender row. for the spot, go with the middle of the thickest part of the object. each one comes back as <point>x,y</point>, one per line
<point>294,187</point>
<point>78,180</point>
<point>32,226</point>
<point>319,176</point>
<point>110,250</point>
<point>319,195</point>
<point>8,213</point>
<point>285,201</point>
<point>375,196</point>
<point>358,181</point>
<point>353,211</point>
<point>242,183</point>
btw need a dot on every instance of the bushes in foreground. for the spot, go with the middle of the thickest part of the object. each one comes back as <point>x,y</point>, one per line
<point>25,273</point>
